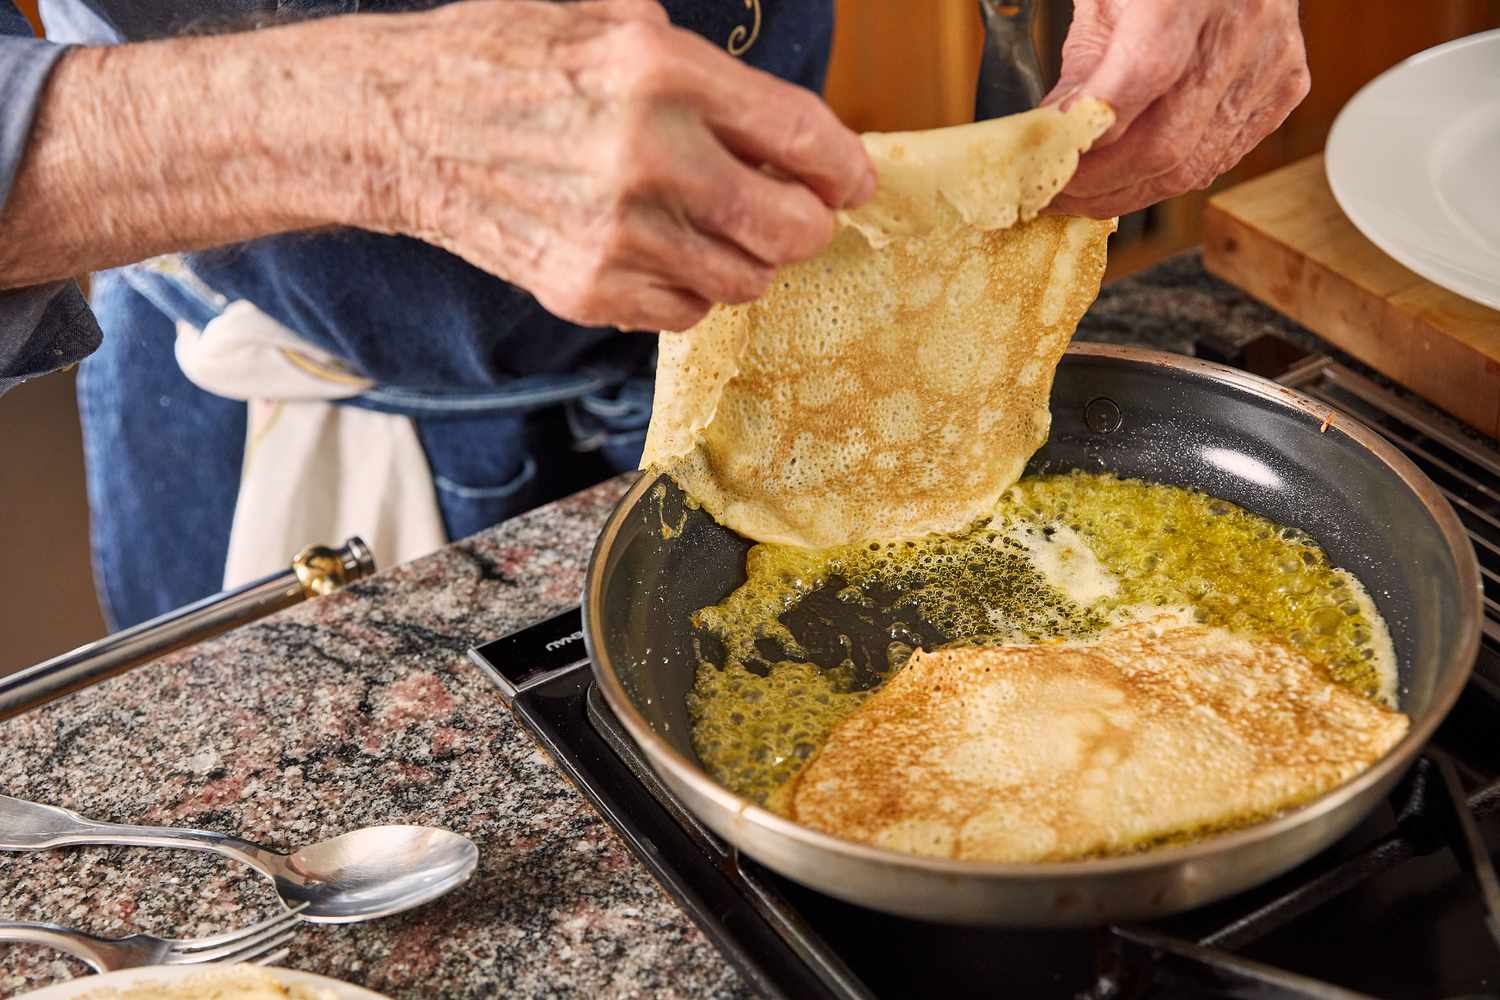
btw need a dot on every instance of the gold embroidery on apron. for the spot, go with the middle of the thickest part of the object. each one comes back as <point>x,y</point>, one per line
<point>323,371</point>
<point>741,38</point>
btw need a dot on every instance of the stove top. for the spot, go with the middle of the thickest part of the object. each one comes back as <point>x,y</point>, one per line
<point>1407,905</point>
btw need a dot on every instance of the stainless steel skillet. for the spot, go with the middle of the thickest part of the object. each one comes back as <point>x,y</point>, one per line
<point>1160,417</point>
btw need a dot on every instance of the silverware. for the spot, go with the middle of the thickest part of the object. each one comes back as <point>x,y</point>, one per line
<point>360,875</point>
<point>261,943</point>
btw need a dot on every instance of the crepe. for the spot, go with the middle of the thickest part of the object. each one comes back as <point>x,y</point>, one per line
<point>989,174</point>
<point>1153,730</point>
<point>896,384</point>
<point>237,982</point>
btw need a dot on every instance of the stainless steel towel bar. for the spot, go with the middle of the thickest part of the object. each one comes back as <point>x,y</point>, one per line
<point>315,571</point>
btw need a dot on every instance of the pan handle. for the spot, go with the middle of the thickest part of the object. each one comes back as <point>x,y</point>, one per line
<point>316,570</point>
<point>1010,77</point>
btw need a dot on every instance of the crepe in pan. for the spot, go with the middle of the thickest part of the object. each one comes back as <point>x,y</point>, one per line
<point>1153,730</point>
<point>896,384</point>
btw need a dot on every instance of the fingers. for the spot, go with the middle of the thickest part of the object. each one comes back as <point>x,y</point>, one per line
<point>1195,87</point>
<point>1220,147</point>
<point>633,174</point>
<point>775,220</point>
<point>769,122</point>
<point>1149,50</point>
<point>649,267</point>
<point>685,256</point>
<point>717,228</point>
<point>793,132</point>
<point>623,297</point>
<point>1084,46</point>
<point>664,264</point>
<point>647,305</point>
<point>1115,203</point>
<point>675,165</point>
<point>1223,145</point>
<point>1163,138</point>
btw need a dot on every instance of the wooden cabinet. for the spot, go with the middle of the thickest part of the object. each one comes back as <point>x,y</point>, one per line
<point>28,7</point>
<point>903,65</point>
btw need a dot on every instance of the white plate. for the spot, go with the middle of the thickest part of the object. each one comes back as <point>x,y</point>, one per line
<point>171,973</point>
<point>1414,161</point>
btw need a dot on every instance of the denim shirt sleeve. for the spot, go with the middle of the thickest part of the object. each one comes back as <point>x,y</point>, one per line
<point>44,327</point>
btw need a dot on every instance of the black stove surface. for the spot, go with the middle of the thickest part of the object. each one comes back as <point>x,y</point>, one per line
<point>1396,909</point>
<point>1407,905</point>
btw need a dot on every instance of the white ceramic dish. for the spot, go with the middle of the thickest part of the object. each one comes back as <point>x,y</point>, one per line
<point>126,978</point>
<point>1414,161</point>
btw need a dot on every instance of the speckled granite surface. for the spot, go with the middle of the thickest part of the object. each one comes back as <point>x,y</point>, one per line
<point>360,709</point>
<point>357,709</point>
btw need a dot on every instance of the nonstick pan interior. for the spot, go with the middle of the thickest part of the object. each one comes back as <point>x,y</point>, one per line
<point>1168,424</point>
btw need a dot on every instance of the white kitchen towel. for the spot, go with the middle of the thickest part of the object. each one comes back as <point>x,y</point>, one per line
<point>314,472</point>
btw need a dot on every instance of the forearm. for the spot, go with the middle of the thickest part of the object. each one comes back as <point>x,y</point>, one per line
<point>184,144</point>
<point>623,171</point>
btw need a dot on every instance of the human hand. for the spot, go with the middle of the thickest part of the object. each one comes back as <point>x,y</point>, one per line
<point>1195,85</point>
<point>598,157</point>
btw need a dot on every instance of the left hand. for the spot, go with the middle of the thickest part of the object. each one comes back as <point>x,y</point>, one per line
<point>1195,85</point>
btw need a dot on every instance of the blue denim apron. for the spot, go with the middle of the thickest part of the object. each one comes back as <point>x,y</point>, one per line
<point>513,406</point>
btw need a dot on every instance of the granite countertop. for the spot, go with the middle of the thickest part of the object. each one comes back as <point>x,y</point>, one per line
<point>360,708</point>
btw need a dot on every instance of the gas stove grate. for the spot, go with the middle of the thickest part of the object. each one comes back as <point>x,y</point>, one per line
<point>1433,811</point>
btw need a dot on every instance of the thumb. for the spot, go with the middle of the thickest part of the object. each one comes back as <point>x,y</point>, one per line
<point>1148,52</point>
<point>1062,95</point>
<point>1082,50</point>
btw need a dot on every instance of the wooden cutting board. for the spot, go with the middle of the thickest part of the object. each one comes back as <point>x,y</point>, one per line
<point>1283,239</point>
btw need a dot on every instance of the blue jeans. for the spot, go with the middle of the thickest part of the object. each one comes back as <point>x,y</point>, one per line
<point>163,457</point>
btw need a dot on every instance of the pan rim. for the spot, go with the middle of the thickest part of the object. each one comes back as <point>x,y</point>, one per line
<point>663,756</point>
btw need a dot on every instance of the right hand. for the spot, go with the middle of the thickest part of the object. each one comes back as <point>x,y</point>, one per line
<point>1195,85</point>
<point>598,157</point>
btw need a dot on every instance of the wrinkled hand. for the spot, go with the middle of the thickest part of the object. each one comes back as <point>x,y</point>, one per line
<point>1195,85</point>
<point>600,158</point>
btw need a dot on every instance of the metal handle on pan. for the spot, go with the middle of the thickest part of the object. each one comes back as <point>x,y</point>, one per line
<point>1010,77</point>
<point>315,571</point>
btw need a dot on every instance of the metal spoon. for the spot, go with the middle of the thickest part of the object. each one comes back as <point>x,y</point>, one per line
<point>360,875</point>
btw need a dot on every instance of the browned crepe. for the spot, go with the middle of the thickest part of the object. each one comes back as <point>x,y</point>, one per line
<point>896,384</point>
<point>1152,730</point>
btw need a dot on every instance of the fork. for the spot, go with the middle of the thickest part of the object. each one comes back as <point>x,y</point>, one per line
<point>261,943</point>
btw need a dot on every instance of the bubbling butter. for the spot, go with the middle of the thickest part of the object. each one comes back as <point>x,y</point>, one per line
<point>811,633</point>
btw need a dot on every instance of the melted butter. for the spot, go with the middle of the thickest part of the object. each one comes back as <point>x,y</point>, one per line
<point>1172,546</point>
<point>760,729</point>
<point>1067,561</point>
<point>810,634</point>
